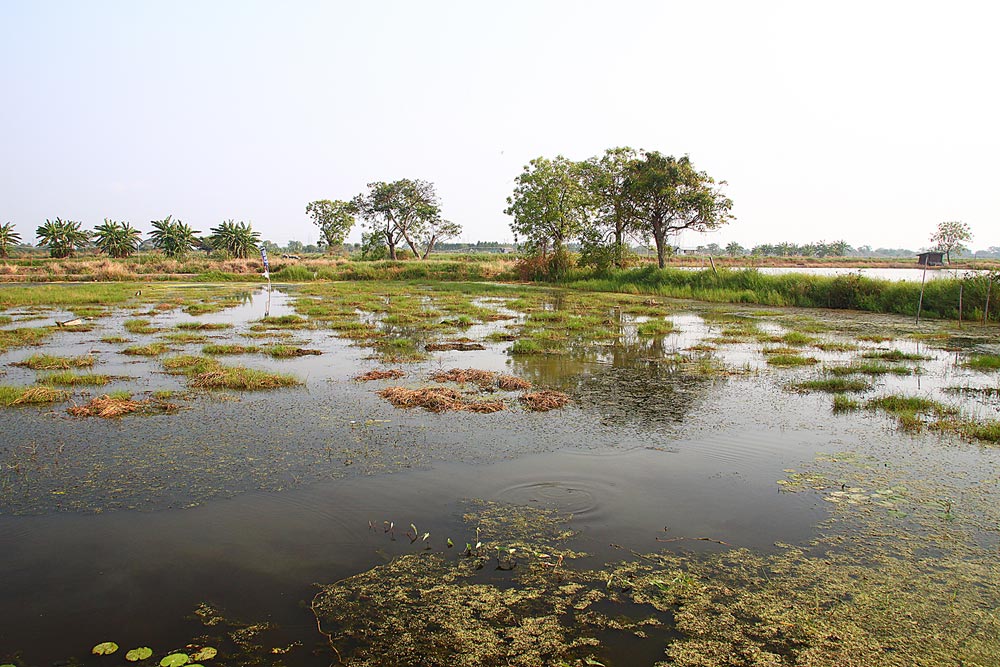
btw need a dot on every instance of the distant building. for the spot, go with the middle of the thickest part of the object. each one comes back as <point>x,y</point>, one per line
<point>932,258</point>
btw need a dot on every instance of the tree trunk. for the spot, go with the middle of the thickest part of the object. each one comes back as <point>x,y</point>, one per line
<point>619,258</point>
<point>391,242</point>
<point>430,246</point>
<point>661,249</point>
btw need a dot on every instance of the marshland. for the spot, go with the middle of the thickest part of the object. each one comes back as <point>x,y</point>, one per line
<point>429,471</point>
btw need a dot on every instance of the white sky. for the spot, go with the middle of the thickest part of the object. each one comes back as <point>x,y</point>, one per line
<point>866,121</point>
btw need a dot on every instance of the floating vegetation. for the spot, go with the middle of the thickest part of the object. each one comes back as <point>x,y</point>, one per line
<point>895,355</point>
<point>242,379</point>
<point>140,326</point>
<point>983,362</point>
<point>49,362</point>
<point>137,654</point>
<point>104,648</point>
<point>150,350</point>
<point>833,385</point>
<point>545,400</point>
<point>788,360</point>
<point>23,337</point>
<point>175,660</point>
<point>390,374</point>
<point>204,326</point>
<point>655,328</point>
<point>11,396</point>
<point>71,379</point>
<point>438,399</point>
<point>118,405</point>
<point>868,368</point>
<point>454,345</point>
<point>226,349</point>
<point>289,351</point>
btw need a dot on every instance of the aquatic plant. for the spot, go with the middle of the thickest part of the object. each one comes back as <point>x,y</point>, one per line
<point>655,328</point>
<point>788,360</point>
<point>242,379</point>
<point>983,362</point>
<point>894,355</point>
<point>149,350</point>
<point>10,396</point>
<point>844,403</point>
<point>833,385</point>
<point>139,326</point>
<point>137,654</point>
<point>389,374</point>
<point>104,648</point>
<point>49,362</point>
<point>868,368</point>
<point>229,348</point>
<point>69,378</point>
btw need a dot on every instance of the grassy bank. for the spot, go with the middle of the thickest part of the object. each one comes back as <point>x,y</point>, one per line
<point>941,296</point>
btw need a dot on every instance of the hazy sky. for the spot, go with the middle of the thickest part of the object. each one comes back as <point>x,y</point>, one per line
<point>867,121</point>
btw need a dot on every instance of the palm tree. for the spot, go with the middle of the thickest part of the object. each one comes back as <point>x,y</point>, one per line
<point>237,238</point>
<point>117,239</point>
<point>173,237</point>
<point>62,237</point>
<point>8,238</point>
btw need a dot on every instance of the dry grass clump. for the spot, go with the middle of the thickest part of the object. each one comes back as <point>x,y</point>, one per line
<point>545,400</point>
<point>107,407</point>
<point>462,376</point>
<point>512,383</point>
<point>459,345</point>
<point>484,407</point>
<point>435,399</point>
<point>391,374</point>
<point>107,270</point>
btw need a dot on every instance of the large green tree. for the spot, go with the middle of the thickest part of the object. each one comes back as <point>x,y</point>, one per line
<point>62,237</point>
<point>335,218</point>
<point>550,207</point>
<point>173,237</point>
<point>606,179</point>
<point>237,238</point>
<point>8,239</point>
<point>951,237</point>
<point>117,239</point>
<point>400,212</point>
<point>670,196</point>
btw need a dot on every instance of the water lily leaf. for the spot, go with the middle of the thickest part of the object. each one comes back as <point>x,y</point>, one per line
<point>104,648</point>
<point>206,653</point>
<point>137,654</point>
<point>175,660</point>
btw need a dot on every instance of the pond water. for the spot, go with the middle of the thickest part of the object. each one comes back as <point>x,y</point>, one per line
<point>118,529</point>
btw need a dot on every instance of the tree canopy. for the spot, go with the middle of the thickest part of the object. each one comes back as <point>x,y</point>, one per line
<point>173,237</point>
<point>8,238</point>
<point>405,211</point>
<point>951,237</point>
<point>236,238</point>
<point>117,239</point>
<point>335,218</point>
<point>62,237</point>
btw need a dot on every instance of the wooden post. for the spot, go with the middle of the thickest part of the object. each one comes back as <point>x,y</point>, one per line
<point>961,288</point>
<point>920,303</point>
<point>714,270</point>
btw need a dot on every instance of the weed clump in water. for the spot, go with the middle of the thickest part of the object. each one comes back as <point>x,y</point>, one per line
<point>48,362</point>
<point>11,396</point>
<point>437,399</point>
<point>788,360</point>
<point>869,368</point>
<point>894,355</point>
<point>844,403</point>
<point>107,407</point>
<point>225,349</point>
<point>151,350</point>
<point>455,345</point>
<point>833,385</point>
<point>70,379</point>
<point>390,374</point>
<point>242,378</point>
<point>545,400</point>
<point>983,362</point>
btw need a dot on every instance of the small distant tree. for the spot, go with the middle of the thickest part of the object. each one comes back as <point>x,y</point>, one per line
<point>335,218</point>
<point>734,249</point>
<point>294,247</point>
<point>173,237</point>
<point>117,239</point>
<point>550,208</point>
<point>400,212</point>
<point>670,195</point>
<point>438,231</point>
<point>8,239</point>
<point>236,238</point>
<point>951,237</point>
<point>62,237</point>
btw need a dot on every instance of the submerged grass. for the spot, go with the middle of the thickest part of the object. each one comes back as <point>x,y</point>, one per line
<point>70,379</point>
<point>895,355</point>
<point>789,360</point>
<point>229,348</point>
<point>150,350</point>
<point>23,336</point>
<point>140,325</point>
<point>868,368</point>
<point>834,385</point>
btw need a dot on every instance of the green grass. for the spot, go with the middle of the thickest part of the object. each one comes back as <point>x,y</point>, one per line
<point>188,364</point>
<point>22,337</point>
<point>789,360</point>
<point>868,368</point>
<point>844,403</point>
<point>203,326</point>
<point>983,362</point>
<point>287,351</point>
<point>242,379</point>
<point>219,349</point>
<point>985,431</point>
<point>12,396</point>
<point>71,379</point>
<point>99,294</point>
<point>897,404</point>
<point>837,385</point>
<point>151,350</point>
<point>114,339</point>
<point>894,355</point>
<point>5,319</point>
<point>49,362</point>
<point>185,337</point>
<point>797,339</point>
<point>655,328</point>
<point>835,346</point>
<point>283,322</point>
<point>140,326</point>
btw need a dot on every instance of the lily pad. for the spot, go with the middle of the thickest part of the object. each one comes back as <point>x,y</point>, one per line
<point>175,660</point>
<point>104,648</point>
<point>138,654</point>
<point>206,653</point>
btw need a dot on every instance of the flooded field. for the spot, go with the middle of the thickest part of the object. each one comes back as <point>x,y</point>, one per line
<point>478,474</point>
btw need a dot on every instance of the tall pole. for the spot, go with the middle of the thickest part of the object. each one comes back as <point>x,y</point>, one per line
<point>920,303</point>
